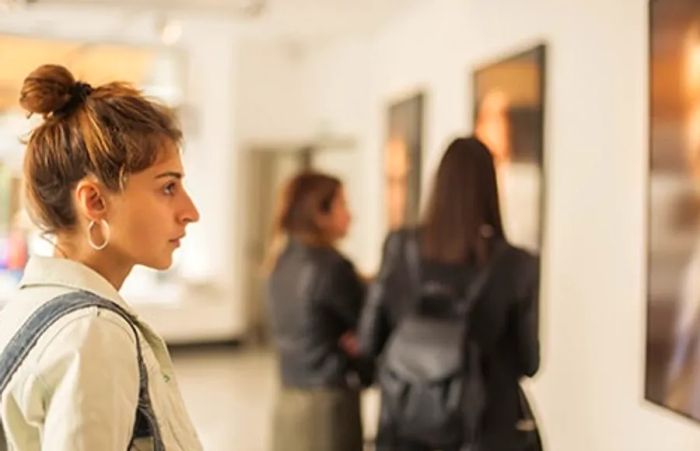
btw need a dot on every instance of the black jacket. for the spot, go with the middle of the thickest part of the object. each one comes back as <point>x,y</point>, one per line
<point>314,296</point>
<point>504,323</point>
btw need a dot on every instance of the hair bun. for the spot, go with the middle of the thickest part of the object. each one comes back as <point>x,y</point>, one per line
<point>47,89</point>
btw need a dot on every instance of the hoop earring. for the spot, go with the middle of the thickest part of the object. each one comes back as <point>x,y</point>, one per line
<point>105,230</point>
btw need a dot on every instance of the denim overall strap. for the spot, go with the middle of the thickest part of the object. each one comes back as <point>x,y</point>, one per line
<point>43,318</point>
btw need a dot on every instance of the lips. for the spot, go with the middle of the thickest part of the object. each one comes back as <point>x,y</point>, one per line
<point>176,241</point>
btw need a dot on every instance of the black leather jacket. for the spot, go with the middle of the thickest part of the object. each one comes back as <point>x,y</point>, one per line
<point>504,322</point>
<point>314,297</point>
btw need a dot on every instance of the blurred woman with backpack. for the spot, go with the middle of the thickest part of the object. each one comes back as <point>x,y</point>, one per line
<point>459,247</point>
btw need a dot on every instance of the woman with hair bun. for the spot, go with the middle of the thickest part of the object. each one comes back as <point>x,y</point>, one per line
<point>79,370</point>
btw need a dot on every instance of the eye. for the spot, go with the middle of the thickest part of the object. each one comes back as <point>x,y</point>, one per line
<point>169,189</point>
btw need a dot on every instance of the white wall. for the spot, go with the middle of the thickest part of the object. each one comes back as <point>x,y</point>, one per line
<point>294,93</point>
<point>589,394</point>
<point>270,106</point>
<point>215,311</point>
<point>336,87</point>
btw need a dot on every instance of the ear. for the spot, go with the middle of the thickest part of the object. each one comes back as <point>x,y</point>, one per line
<point>90,199</point>
<point>322,219</point>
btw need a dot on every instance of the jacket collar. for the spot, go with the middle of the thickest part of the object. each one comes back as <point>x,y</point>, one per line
<point>61,272</point>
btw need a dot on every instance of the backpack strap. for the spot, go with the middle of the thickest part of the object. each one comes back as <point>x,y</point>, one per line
<point>413,258</point>
<point>24,340</point>
<point>474,289</point>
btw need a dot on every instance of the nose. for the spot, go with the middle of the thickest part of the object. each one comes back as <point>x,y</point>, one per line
<point>189,212</point>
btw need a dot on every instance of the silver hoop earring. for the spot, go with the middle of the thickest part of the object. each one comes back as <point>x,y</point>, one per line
<point>104,227</point>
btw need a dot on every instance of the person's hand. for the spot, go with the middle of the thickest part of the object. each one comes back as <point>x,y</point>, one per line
<point>349,344</point>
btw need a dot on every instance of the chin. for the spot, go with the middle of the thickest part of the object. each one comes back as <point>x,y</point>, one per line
<point>160,264</point>
<point>166,264</point>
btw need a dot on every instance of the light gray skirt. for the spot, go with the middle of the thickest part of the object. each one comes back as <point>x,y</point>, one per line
<point>319,419</point>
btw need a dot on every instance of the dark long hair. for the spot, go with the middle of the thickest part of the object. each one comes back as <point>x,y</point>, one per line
<point>463,215</point>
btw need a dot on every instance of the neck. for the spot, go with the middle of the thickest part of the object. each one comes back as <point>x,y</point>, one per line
<point>105,263</point>
<point>314,240</point>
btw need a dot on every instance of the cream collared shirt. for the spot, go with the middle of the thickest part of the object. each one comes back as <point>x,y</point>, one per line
<point>78,388</point>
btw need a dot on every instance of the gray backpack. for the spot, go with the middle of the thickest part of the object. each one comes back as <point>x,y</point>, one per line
<point>430,374</point>
<point>16,351</point>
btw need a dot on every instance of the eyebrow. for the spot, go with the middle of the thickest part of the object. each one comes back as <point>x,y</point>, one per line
<point>177,175</point>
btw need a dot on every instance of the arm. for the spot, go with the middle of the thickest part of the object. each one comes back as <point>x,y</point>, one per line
<point>91,378</point>
<point>527,318</point>
<point>340,292</point>
<point>374,324</point>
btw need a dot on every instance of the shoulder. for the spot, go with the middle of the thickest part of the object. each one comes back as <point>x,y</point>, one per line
<point>396,240</point>
<point>79,323</point>
<point>333,273</point>
<point>92,334</point>
<point>89,331</point>
<point>402,235</point>
<point>521,266</point>
<point>85,347</point>
<point>521,256</point>
<point>331,264</point>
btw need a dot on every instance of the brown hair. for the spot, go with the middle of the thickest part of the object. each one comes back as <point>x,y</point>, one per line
<point>304,197</point>
<point>463,214</point>
<point>111,131</point>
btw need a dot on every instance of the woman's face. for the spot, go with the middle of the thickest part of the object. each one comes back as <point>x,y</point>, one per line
<point>337,221</point>
<point>149,217</point>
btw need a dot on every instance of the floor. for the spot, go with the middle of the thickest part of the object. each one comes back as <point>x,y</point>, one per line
<point>229,392</point>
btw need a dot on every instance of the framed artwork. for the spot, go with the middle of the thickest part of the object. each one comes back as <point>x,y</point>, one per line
<point>402,161</point>
<point>673,244</point>
<point>509,119</point>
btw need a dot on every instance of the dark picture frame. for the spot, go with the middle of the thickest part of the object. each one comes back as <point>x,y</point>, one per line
<point>509,116</point>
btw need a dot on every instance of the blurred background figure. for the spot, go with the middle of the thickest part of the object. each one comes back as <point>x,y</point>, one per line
<point>315,298</point>
<point>429,272</point>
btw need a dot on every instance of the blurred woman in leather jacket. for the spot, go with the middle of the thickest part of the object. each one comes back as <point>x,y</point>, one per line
<point>315,298</point>
<point>457,236</point>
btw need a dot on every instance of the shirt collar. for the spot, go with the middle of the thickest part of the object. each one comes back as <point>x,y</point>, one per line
<point>53,271</point>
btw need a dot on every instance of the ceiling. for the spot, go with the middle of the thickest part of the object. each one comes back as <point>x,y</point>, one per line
<point>295,18</point>
<point>33,31</point>
<point>97,62</point>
